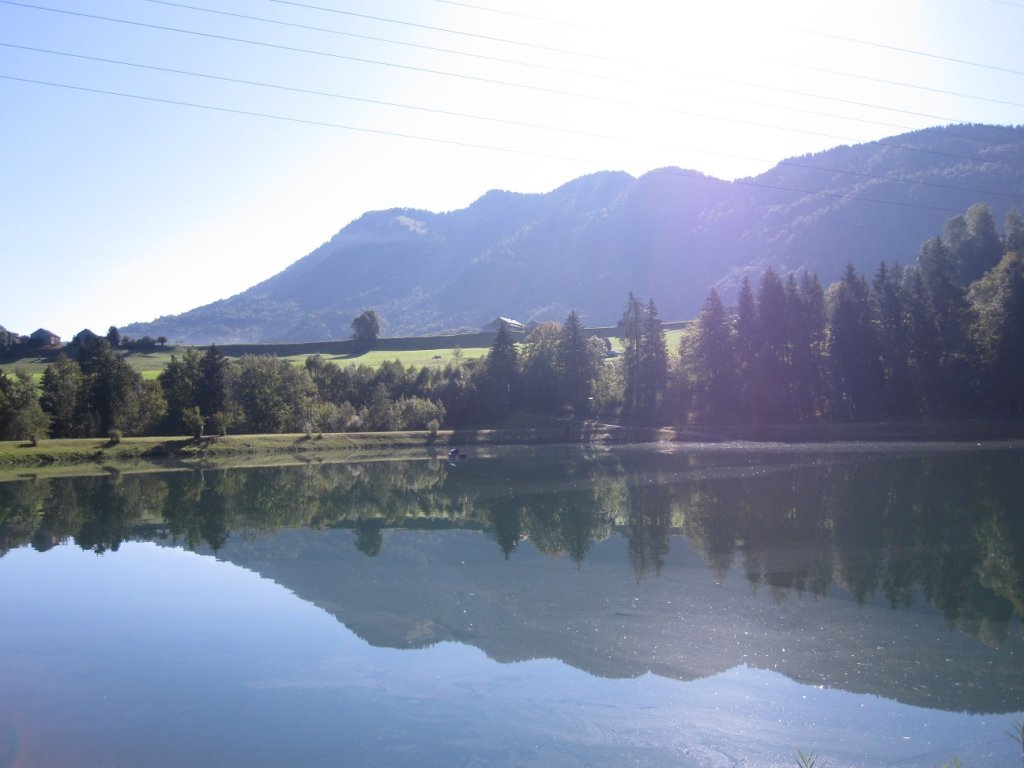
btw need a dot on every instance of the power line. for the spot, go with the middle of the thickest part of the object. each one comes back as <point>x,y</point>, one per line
<point>511,13</point>
<point>474,78</point>
<point>314,52</point>
<point>507,41</point>
<point>372,38</point>
<point>869,78</point>
<point>306,91</point>
<point>484,118</point>
<point>470,77</point>
<point>572,71</point>
<point>465,144</point>
<point>913,52</point>
<point>840,100</point>
<point>302,121</point>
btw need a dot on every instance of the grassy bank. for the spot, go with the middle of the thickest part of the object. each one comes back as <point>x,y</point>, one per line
<point>94,455</point>
<point>89,455</point>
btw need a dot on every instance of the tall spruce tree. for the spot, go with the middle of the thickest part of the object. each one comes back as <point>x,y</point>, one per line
<point>853,349</point>
<point>631,332</point>
<point>771,374</point>
<point>653,362</point>
<point>501,372</point>
<point>715,362</point>
<point>746,345</point>
<point>889,318</point>
<point>579,362</point>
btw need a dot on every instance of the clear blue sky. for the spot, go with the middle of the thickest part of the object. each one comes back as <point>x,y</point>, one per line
<point>118,208</point>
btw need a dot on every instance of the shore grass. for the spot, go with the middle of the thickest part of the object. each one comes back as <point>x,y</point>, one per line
<point>98,455</point>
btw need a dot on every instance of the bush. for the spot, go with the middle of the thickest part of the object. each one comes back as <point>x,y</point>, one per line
<point>193,420</point>
<point>115,436</point>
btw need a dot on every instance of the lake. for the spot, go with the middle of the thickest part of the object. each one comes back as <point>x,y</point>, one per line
<point>634,606</point>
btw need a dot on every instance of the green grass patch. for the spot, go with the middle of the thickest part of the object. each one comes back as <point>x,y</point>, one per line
<point>151,364</point>
<point>418,358</point>
<point>98,455</point>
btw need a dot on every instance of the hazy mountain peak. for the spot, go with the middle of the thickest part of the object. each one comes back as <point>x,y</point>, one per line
<point>670,234</point>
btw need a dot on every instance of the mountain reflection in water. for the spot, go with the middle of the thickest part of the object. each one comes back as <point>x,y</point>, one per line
<point>893,571</point>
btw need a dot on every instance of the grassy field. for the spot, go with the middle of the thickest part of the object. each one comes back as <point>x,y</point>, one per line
<point>417,358</point>
<point>151,363</point>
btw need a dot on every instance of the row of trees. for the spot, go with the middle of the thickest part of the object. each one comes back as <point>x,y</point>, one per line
<point>943,337</point>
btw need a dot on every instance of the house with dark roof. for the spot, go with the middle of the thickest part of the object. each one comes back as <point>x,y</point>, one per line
<point>43,338</point>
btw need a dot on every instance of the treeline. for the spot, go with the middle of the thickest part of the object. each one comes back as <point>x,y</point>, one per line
<point>97,393</point>
<point>941,338</point>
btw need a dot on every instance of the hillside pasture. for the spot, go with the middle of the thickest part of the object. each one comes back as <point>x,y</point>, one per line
<point>417,351</point>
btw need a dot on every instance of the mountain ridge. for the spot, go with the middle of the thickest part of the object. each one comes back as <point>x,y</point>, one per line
<point>670,234</point>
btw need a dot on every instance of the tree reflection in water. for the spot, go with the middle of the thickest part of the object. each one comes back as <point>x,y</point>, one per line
<point>942,525</point>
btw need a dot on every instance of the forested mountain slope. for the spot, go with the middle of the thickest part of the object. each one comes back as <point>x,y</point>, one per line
<point>670,234</point>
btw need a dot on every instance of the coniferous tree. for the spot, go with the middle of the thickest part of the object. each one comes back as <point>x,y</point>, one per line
<point>746,345</point>
<point>653,362</point>
<point>947,303</point>
<point>501,372</point>
<point>631,332</point>
<point>805,304</point>
<point>853,348</point>
<point>770,380</point>
<point>715,362</point>
<point>924,350</point>
<point>889,317</point>
<point>579,362</point>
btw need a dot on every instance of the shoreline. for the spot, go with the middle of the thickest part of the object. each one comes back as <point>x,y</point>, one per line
<point>84,456</point>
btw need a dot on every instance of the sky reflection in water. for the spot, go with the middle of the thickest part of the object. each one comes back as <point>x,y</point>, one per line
<point>155,655</point>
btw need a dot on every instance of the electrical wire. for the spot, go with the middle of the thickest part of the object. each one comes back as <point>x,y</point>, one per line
<point>913,52</point>
<point>578,72</point>
<point>484,118</point>
<point>314,52</point>
<point>503,12</point>
<point>471,145</point>
<point>444,73</point>
<point>759,124</point>
<point>463,33</point>
<point>882,80</point>
<point>372,38</point>
<point>306,91</point>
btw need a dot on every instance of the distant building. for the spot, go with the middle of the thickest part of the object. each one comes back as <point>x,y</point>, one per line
<point>513,325</point>
<point>8,339</point>
<point>85,337</point>
<point>44,338</point>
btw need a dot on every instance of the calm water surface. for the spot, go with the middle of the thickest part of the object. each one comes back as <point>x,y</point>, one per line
<point>715,606</point>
